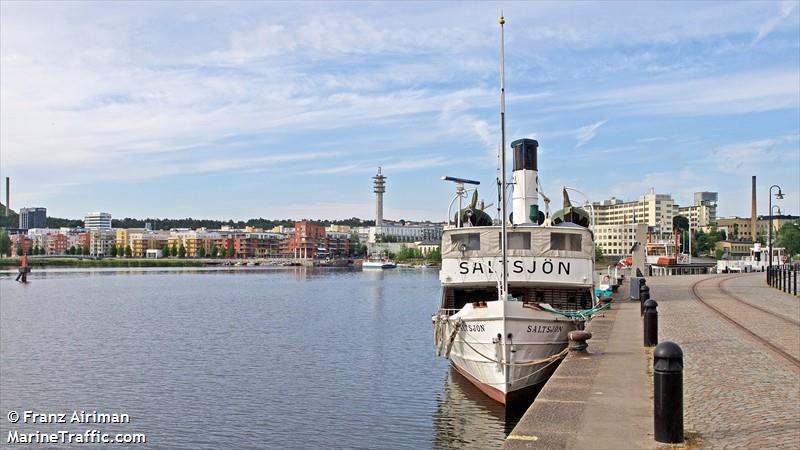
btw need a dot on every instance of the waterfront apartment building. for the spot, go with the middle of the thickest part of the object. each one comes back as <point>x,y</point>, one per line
<point>79,239</point>
<point>100,242</point>
<point>307,238</point>
<point>258,245</point>
<point>311,241</point>
<point>123,235</point>
<point>142,240</point>
<point>97,221</point>
<point>192,241</point>
<point>52,241</point>
<point>32,218</point>
<point>21,241</point>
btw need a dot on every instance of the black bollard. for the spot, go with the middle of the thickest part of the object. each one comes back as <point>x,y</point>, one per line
<point>668,393</point>
<point>644,295</point>
<point>650,323</point>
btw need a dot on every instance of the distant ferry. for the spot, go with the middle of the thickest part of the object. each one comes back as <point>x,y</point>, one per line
<point>378,264</point>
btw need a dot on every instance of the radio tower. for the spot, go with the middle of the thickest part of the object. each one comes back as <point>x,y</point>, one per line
<point>380,188</point>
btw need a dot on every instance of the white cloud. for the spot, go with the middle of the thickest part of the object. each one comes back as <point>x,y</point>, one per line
<point>749,155</point>
<point>587,133</point>
<point>786,8</point>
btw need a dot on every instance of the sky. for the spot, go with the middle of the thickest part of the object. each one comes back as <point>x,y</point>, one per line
<point>285,110</point>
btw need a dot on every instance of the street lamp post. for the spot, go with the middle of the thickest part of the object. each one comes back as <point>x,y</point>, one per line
<point>778,196</point>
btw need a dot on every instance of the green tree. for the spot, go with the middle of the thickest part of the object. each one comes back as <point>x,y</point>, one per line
<point>173,251</point>
<point>128,251</point>
<point>72,250</point>
<point>181,251</point>
<point>113,251</point>
<point>85,251</point>
<point>719,253</point>
<point>165,252</point>
<point>403,254</point>
<point>598,253</point>
<point>789,238</point>
<point>214,251</point>
<point>231,250</point>
<point>5,243</point>
<point>201,251</point>
<point>19,250</point>
<point>681,223</point>
<point>434,255</point>
<point>761,238</point>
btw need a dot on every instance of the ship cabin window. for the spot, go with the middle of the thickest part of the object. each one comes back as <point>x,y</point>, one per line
<point>519,241</point>
<point>457,298</point>
<point>565,241</point>
<point>466,241</point>
<point>565,299</point>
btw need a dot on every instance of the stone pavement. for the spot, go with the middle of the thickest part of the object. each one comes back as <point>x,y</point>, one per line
<point>600,400</point>
<point>737,394</point>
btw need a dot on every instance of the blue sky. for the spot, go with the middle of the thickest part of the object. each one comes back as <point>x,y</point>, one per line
<point>285,110</point>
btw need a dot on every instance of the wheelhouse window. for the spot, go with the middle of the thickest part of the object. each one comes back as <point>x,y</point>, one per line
<point>518,241</point>
<point>466,241</point>
<point>565,241</point>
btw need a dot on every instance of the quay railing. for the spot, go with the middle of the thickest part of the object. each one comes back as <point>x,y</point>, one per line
<point>783,277</point>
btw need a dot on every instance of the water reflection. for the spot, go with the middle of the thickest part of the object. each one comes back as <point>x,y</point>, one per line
<point>466,417</point>
<point>326,357</point>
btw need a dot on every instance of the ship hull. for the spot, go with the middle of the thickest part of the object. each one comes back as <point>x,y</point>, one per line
<point>505,349</point>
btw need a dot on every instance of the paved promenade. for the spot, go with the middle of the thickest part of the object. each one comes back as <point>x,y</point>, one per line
<point>741,374</point>
<point>599,400</point>
<point>737,392</point>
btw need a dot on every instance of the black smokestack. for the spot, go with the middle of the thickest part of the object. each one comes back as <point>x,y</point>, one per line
<point>525,151</point>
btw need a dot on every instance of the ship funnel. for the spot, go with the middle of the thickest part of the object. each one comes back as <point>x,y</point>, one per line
<point>526,183</point>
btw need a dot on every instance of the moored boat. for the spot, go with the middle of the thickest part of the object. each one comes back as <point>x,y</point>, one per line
<point>513,288</point>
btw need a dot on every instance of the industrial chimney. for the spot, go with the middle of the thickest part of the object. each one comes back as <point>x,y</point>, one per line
<point>754,213</point>
<point>379,189</point>
<point>525,199</point>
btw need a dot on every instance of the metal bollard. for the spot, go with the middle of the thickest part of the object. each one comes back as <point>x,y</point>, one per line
<point>668,393</point>
<point>644,295</point>
<point>577,340</point>
<point>650,323</point>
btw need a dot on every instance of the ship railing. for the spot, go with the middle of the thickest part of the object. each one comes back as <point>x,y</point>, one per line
<point>447,311</point>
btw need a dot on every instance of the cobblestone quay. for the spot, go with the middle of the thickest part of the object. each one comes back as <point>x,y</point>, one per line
<point>738,391</point>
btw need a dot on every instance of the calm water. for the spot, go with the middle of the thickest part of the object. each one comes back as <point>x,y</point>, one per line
<point>281,358</point>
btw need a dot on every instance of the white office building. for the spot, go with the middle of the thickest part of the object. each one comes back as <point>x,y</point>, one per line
<point>615,220</point>
<point>405,232</point>
<point>703,212</point>
<point>656,210</point>
<point>97,221</point>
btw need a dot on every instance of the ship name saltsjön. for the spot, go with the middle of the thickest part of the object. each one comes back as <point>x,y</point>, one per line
<point>547,267</point>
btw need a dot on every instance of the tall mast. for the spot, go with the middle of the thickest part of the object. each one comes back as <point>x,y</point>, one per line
<point>503,213</point>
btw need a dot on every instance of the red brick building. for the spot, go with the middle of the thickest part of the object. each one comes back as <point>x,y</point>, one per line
<point>312,241</point>
<point>308,237</point>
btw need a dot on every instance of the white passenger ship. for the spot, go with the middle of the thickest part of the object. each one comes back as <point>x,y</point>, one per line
<point>505,328</point>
